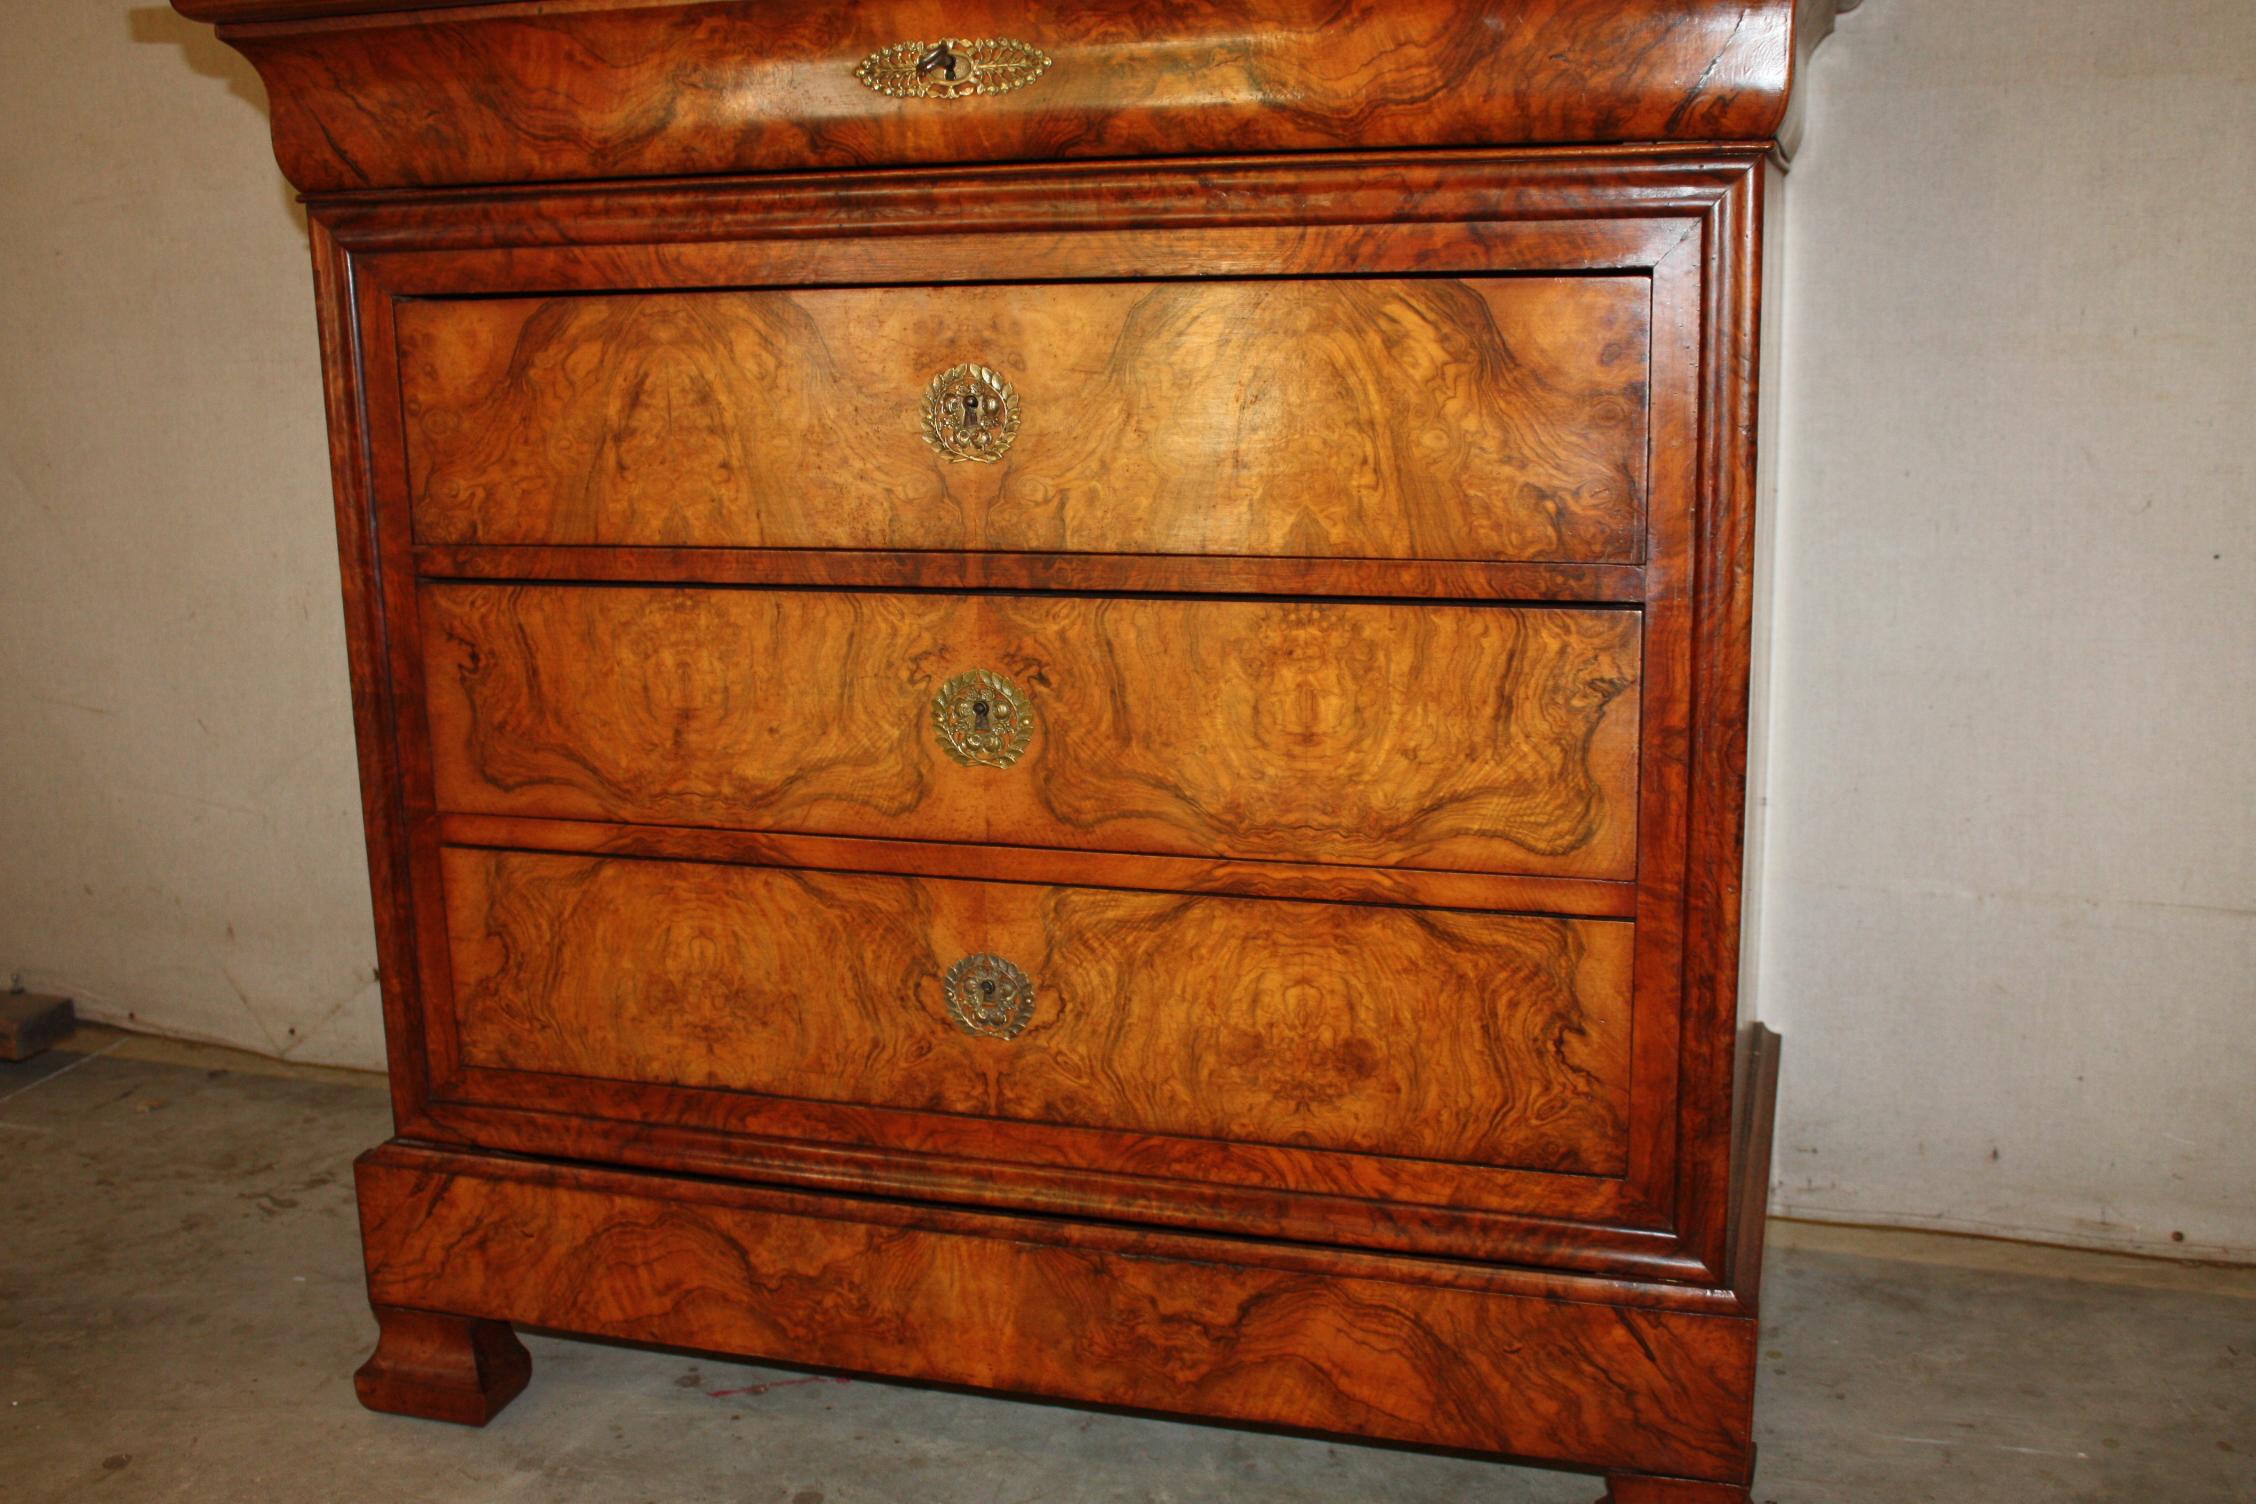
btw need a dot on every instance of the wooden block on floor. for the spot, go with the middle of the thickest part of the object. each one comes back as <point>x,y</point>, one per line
<point>33,1022</point>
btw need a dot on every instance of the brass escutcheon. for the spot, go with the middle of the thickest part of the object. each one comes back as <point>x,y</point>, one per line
<point>952,68</point>
<point>983,719</point>
<point>970,413</point>
<point>990,997</point>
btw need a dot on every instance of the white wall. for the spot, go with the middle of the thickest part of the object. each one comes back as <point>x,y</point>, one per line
<point>179,816</point>
<point>2009,846</point>
<point>2010,855</point>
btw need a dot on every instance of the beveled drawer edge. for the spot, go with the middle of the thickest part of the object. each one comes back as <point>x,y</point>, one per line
<point>1610,1235</point>
<point>1425,888</point>
<point>1647,1289</point>
<point>1497,581</point>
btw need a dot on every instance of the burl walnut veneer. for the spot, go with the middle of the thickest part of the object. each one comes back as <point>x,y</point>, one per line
<point>1054,696</point>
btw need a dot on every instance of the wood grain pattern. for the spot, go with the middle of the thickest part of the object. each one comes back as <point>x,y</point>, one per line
<point>1408,887</point>
<point>1323,1199</point>
<point>1363,213</point>
<point>1492,418</point>
<point>1483,738</point>
<point>1591,210</point>
<point>983,1300</point>
<point>577,90</point>
<point>1260,1297</point>
<point>1103,574</point>
<point>1490,1039</point>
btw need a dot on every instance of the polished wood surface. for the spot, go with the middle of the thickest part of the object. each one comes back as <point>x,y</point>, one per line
<point>1643,214</point>
<point>1487,1038</point>
<point>1524,211</point>
<point>1104,574</point>
<point>1497,418</point>
<point>441,1367</point>
<point>1410,887</point>
<point>1452,737</point>
<point>989,1301</point>
<point>506,93</point>
<point>643,661</point>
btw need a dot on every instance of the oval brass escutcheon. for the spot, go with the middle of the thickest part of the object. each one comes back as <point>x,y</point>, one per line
<point>983,719</point>
<point>990,997</point>
<point>970,414</point>
<point>952,68</point>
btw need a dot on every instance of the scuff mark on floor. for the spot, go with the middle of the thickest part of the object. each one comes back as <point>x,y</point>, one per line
<point>722,1394</point>
<point>1987,1446</point>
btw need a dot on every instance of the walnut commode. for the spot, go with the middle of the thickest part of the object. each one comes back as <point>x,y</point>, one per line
<point>1054,697</point>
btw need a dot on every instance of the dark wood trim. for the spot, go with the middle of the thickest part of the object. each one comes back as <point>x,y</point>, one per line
<point>1578,898</point>
<point>1110,574</point>
<point>1759,1051</point>
<point>441,1367</point>
<point>817,1146</point>
<point>1716,758</point>
<point>1596,204</point>
<point>374,703</point>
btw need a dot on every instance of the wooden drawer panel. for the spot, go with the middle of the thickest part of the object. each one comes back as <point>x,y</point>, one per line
<point>1480,738</point>
<point>499,94</point>
<point>1486,418</point>
<point>1479,1038</point>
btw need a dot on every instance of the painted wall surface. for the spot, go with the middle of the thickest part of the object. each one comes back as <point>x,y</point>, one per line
<point>179,810</point>
<point>2011,835</point>
<point>2008,853</point>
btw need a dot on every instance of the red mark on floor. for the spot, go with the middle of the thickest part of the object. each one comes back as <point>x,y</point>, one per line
<point>821,1378</point>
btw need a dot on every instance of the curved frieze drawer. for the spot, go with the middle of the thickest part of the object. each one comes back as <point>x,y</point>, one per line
<point>1492,418</point>
<point>1470,738</point>
<point>515,93</point>
<point>1482,1039</point>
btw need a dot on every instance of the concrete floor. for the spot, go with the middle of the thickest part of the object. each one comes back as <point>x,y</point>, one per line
<point>181,1311</point>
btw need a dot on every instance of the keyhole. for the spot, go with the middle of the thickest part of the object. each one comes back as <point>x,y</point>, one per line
<point>939,60</point>
<point>987,990</point>
<point>980,711</point>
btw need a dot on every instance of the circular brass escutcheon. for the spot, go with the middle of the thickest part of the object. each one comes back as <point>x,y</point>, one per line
<point>970,413</point>
<point>983,719</point>
<point>990,997</point>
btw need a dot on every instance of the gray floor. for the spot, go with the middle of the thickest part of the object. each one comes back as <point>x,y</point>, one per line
<point>181,1312</point>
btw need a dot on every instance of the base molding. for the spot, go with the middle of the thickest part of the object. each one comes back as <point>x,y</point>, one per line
<point>954,1297</point>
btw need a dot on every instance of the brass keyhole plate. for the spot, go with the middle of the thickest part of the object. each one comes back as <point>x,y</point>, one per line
<point>952,68</point>
<point>983,719</point>
<point>970,414</point>
<point>989,997</point>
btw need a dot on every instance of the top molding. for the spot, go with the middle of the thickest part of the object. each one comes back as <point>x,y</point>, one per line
<point>385,94</point>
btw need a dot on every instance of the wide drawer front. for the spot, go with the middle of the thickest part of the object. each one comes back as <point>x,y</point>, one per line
<point>487,94</point>
<point>1435,418</point>
<point>1477,1038</point>
<point>1476,738</point>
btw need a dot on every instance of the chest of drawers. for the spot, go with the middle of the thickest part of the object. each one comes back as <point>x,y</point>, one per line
<point>1061,709</point>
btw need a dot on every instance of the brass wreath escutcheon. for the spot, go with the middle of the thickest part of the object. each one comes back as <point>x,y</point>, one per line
<point>990,997</point>
<point>970,413</point>
<point>952,68</point>
<point>983,719</point>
